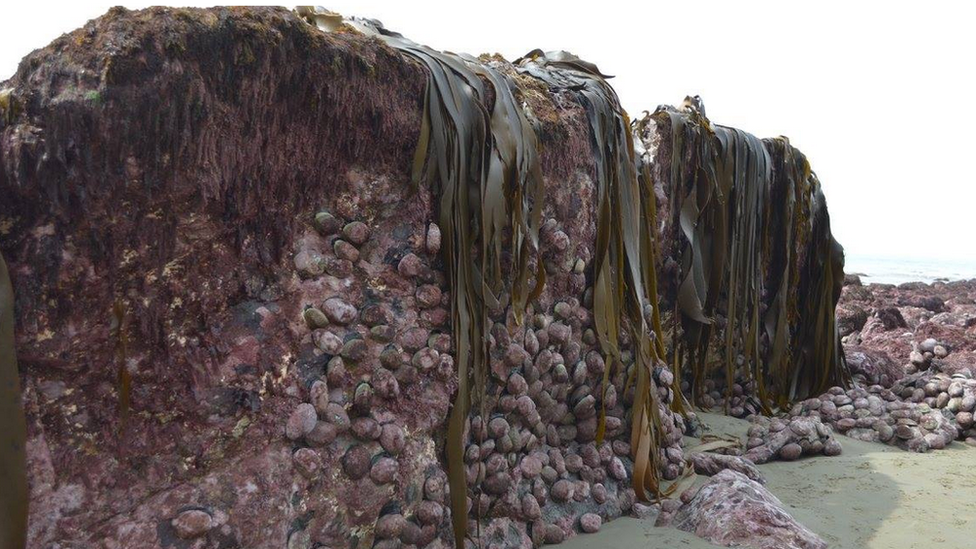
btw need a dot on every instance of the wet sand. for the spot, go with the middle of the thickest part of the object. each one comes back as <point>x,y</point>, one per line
<point>870,497</point>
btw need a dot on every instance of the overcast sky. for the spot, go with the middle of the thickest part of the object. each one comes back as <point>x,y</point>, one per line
<point>880,96</point>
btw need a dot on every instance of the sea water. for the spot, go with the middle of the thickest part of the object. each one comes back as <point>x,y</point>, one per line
<point>895,270</point>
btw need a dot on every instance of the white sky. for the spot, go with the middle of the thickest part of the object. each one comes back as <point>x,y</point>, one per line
<point>879,95</point>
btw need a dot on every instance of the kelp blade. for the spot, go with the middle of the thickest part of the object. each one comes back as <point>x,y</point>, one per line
<point>751,233</point>
<point>13,429</point>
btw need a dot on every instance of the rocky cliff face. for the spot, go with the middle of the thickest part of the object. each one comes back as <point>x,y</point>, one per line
<point>236,325</point>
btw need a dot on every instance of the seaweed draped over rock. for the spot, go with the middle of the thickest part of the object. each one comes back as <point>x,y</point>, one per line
<point>625,280</point>
<point>476,157</point>
<point>759,271</point>
<point>482,160</point>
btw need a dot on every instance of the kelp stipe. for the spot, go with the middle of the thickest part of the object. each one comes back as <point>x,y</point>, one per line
<point>13,429</point>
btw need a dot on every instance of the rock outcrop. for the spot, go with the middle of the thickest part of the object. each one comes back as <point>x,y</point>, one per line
<point>241,320</point>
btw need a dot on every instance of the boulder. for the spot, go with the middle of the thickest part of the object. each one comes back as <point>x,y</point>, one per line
<point>733,510</point>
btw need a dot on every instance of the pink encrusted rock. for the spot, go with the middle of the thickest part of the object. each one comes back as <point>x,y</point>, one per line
<point>732,510</point>
<point>323,433</point>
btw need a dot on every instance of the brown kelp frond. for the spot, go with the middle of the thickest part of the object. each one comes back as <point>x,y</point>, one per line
<point>482,160</point>
<point>625,285</point>
<point>746,214</point>
<point>13,429</point>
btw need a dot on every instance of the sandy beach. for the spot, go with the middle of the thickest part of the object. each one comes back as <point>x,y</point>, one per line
<point>870,497</point>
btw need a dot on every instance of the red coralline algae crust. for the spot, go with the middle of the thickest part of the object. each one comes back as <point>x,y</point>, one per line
<point>291,371</point>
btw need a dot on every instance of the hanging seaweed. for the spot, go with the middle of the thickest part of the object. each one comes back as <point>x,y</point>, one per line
<point>625,279</point>
<point>13,430</point>
<point>748,306</point>
<point>482,161</point>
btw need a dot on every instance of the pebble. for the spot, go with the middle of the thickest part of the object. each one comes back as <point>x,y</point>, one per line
<point>530,507</point>
<point>497,483</point>
<point>590,522</point>
<point>617,469</point>
<point>323,434</point>
<point>327,341</point>
<point>356,462</point>
<point>410,266</point>
<point>433,239</point>
<point>315,318</point>
<point>392,438</point>
<point>531,466</point>
<point>356,232</point>
<point>383,470</point>
<point>386,384</point>
<point>307,462</point>
<point>428,296</point>
<point>193,523</point>
<point>345,250</point>
<point>389,526</point>
<point>339,311</point>
<point>430,512</point>
<point>336,415</point>
<point>791,452</point>
<point>554,534</point>
<point>434,488</point>
<point>326,224</point>
<point>366,429</point>
<point>562,490</point>
<point>318,395</point>
<point>301,422</point>
<point>354,350</point>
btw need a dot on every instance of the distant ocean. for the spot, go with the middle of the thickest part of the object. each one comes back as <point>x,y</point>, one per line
<point>889,270</point>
